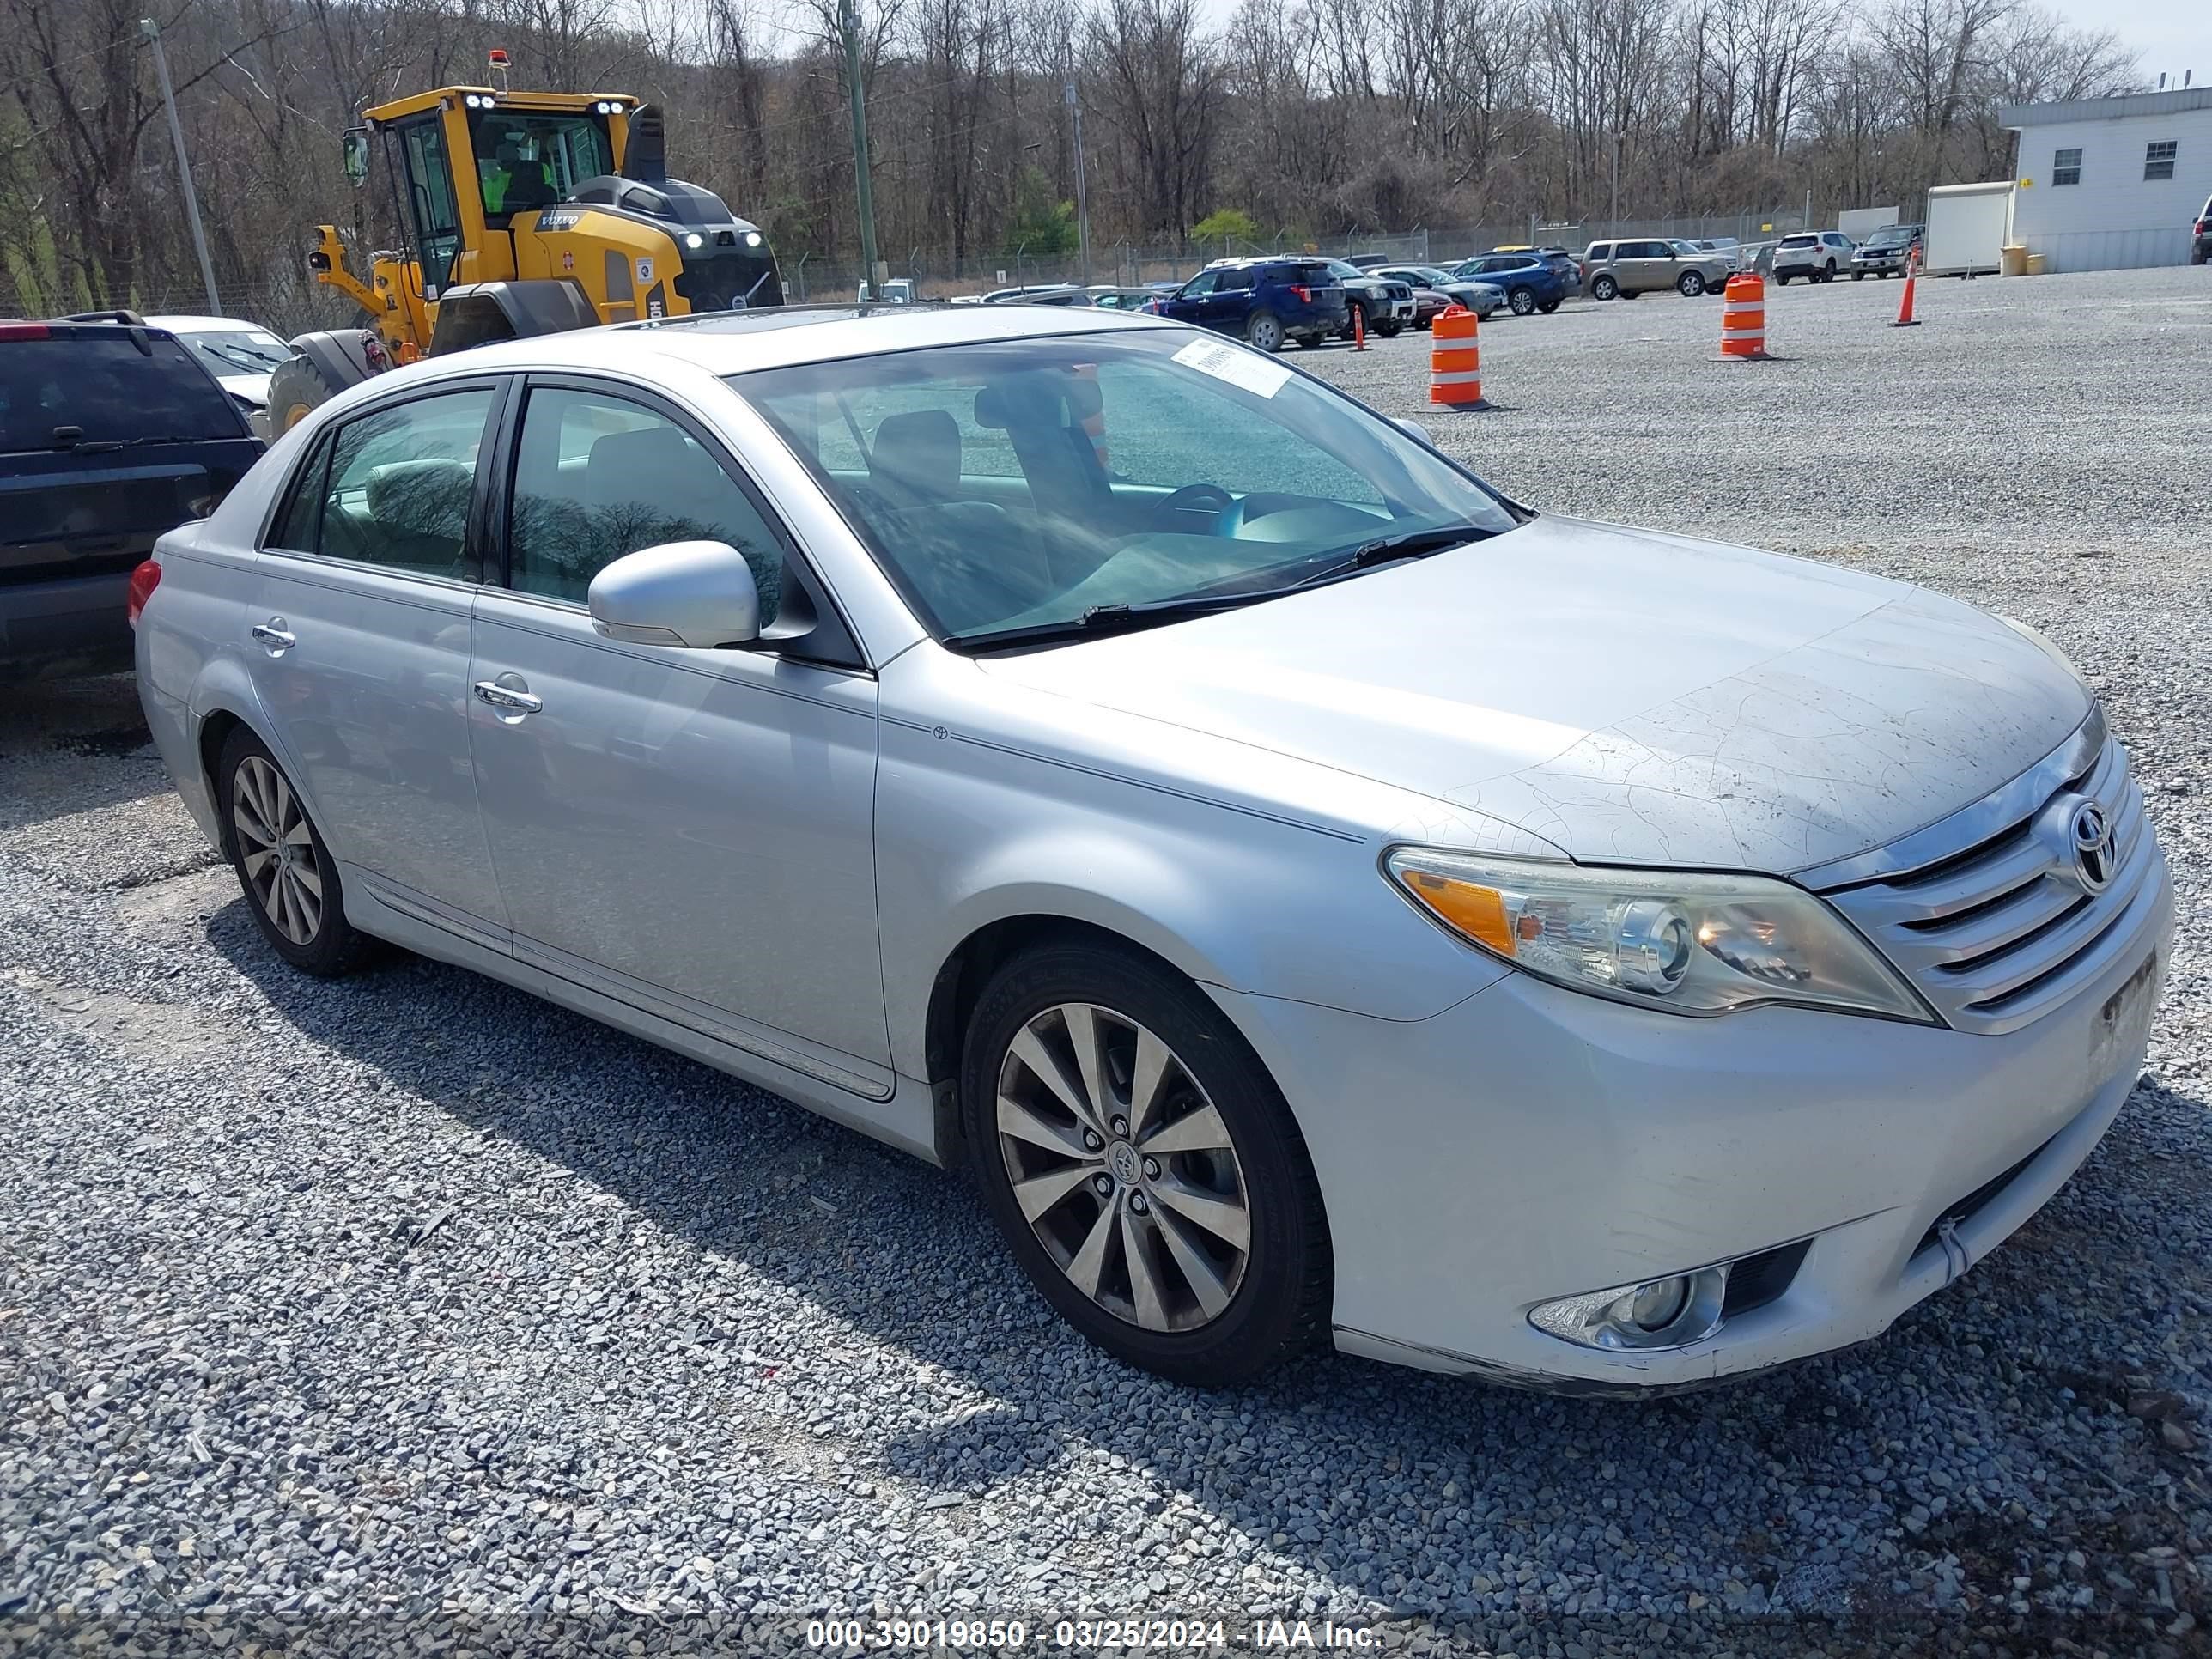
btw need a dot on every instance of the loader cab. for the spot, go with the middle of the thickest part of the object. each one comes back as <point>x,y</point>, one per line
<point>466,160</point>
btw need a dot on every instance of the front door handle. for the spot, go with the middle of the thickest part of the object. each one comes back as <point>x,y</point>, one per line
<point>511,702</point>
<point>274,636</point>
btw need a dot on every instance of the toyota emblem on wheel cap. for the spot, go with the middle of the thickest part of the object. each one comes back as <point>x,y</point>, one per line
<point>2091,833</point>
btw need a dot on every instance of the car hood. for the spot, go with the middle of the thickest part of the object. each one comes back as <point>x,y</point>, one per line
<point>253,388</point>
<point>1625,695</point>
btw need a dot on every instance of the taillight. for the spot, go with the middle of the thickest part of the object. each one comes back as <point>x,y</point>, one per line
<point>143,580</point>
<point>1305,294</point>
<point>24,332</point>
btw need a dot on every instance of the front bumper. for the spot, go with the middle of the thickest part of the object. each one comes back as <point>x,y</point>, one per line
<point>1534,1143</point>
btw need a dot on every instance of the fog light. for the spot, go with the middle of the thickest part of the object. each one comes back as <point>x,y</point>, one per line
<point>1659,1313</point>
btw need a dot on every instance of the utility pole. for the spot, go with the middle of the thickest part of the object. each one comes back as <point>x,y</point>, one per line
<point>1614,226</point>
<point>849,20</point>
<point>152,36</point>
<point>1082,198</point>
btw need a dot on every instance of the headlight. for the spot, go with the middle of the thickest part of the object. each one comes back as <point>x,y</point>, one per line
<point>1686,943</point>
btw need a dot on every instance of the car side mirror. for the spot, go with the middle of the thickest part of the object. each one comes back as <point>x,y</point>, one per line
<point>1415,430</point>
<point>692,593</point>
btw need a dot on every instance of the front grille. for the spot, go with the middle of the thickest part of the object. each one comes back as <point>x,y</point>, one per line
<point>1998,927</point>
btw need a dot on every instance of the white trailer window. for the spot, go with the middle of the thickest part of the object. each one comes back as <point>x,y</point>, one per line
<point>2157,159</point>
<point>2066,166</point>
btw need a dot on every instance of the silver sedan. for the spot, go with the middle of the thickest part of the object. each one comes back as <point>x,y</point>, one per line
<point>1320,899</point>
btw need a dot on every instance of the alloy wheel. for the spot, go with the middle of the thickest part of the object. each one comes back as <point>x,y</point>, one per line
<point>276,850</point>
<point>1125,1171</point>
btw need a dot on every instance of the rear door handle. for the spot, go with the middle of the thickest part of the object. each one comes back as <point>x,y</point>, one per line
<point>275,635</point>
<point>507,699</point>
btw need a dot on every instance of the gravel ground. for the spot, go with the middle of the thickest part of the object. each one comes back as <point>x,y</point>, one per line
<point>409,1310</point>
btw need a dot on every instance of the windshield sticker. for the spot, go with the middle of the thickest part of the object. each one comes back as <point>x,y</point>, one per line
<point>1244,369</point>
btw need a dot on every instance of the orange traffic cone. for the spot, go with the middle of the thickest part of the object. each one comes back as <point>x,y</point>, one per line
<point>1456,359</point>
<point>1359,328</point>
<point>1743,319</point>
<point>1904,303</point>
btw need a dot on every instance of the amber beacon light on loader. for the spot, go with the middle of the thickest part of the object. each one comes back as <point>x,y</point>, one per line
<point>525,213</point>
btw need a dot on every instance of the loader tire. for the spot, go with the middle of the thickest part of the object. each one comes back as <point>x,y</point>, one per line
<point>320,366</point>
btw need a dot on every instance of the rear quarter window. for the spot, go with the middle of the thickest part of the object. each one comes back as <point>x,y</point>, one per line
<point>109,390</point>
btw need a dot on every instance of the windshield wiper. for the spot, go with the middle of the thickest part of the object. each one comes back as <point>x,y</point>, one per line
<point>1407,545</point>
<point>240,357</point>
<point>1101,619</point>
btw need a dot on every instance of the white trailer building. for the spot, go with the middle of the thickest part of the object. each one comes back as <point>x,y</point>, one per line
<point>2105,183</point>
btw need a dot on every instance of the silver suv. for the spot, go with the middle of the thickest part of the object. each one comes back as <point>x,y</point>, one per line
<point>1815,255</point>
<point>1630,267</point>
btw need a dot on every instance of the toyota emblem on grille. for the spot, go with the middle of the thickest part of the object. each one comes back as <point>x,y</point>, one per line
<point>2091,833</point>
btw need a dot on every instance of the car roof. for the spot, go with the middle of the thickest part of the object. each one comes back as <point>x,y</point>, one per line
<point>183,324</point>
<point>736,342</point>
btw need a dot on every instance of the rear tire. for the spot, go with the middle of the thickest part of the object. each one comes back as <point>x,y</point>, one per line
<point>1152,1271</point>
<point>1263,331</point>
<point>1604,287</point>
<point>290,879</point>
<point>1522,299</point>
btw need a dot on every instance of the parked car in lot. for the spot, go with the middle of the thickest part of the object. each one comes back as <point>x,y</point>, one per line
<point>241,356</point>
<point>2200,241</point>
<point>1530,283</point>
<point>1210,855</point>
<point>893,291</point>
<point>1885,252</point>
<point>111,431</point>
<point>1815,255</point>
<point>1726,247</point>
<point>1385,304</point>
<point>1122,299</point>
<point>1047,294</point>
<point>1480,298</point>
<point>1263,303</point>
<point>1569,267</point>
<point>1625,269</point>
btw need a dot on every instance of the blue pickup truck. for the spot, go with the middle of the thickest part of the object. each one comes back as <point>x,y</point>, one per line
<point>110,432</point>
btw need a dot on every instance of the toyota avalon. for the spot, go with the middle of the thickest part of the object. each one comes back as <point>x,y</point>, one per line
<point>1319,898</point>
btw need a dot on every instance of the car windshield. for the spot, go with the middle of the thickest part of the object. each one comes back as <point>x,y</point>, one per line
<point>238,351</point>
<point>1024,486</point>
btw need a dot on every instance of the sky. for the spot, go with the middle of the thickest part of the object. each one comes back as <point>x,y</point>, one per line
<point>2172,35</point>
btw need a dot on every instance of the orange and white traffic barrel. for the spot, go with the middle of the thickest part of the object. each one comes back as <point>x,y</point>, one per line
<point>1456,359</point>
<point>1743,318</point>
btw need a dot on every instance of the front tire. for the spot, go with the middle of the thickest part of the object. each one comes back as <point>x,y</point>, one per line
<point>1692,285</point>
<point>1391,330</point>
<point>290,879</point>
<point>1263,331</point>
<point>1205,1256</point>
<point>1548,306</point>
<point>1355,319</point>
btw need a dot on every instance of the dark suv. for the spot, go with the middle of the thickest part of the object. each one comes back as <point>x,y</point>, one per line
<point>1885,252</point>
<point>1532,283</point>
<point>110,432</point>
<point>1266,302</point>
<point>2200,241</point>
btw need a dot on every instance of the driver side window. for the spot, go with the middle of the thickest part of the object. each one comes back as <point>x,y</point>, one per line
<point>1198,287</point>
<point>598,477</point>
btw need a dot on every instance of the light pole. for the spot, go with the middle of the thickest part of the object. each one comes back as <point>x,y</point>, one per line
<point>152,32</point>
<point>848,21</point>
<point>1614,226</point>
<point>1082,199</point>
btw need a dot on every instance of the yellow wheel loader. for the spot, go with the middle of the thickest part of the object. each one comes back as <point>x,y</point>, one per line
<point>525,213</point>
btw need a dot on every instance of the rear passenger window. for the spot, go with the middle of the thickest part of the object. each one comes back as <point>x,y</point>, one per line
<point>399,482</point>
<point>303,515</point>
<point>598,476</point>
